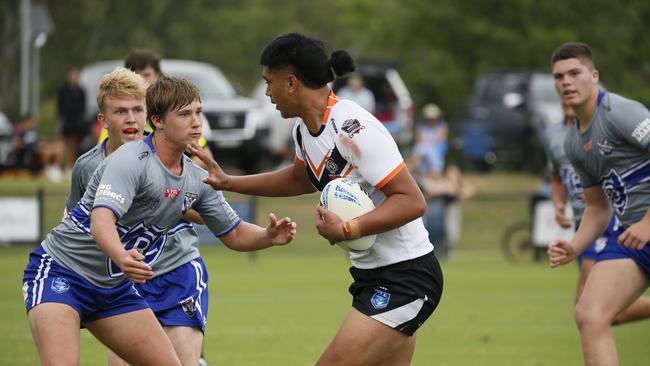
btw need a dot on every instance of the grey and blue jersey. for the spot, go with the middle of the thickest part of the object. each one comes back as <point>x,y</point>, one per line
<point>148,202</point>
<point>613,153</point>
<point>82,171</point>
<point>560,165</point>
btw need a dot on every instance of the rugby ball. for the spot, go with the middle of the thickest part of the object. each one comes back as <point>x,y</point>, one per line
<point>348,200</point>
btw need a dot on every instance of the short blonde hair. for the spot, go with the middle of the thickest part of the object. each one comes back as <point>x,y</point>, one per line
<point>120,83</point>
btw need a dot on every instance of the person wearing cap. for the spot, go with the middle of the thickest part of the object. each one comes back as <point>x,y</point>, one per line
<point>430,142</point>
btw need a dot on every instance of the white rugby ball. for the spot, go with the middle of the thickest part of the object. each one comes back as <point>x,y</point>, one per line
<point>348,200</point>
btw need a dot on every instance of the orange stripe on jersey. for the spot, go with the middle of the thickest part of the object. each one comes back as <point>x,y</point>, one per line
<point>312,166</point>
<point>390,176</point>
<point>331,100</point>
<point>347,172</point>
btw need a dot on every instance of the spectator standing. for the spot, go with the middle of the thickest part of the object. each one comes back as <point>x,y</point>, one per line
<point>358,93</point>
<point>71,108</point>
<point>430,142</point>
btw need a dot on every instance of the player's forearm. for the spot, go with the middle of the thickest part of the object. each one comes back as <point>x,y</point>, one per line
<point>594,222</point>
<point>558,196</point>
<point>103,230</point>
<point>247,237</point>
<point>397,210</point>
<point>280,183</point>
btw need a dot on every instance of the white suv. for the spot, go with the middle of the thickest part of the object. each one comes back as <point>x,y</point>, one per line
<point>233,124</point>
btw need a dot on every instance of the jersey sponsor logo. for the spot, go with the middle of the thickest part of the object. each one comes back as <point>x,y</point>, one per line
<point>604,147</point>
<point>172,192</point>
<point>105,190</point>
<point>587,146</point>
<point>189,306</point>
<point>190,198</point>
<point>380,299</point>
<point>60,285</point>
<point>352,127</point>
<point>614,189</point>
<point>641,131</point>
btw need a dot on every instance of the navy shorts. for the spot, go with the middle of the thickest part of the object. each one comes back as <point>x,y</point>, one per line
<point>179,297</point>
<point>44,280</point>
<point>402,295</point>
<point>613,250</point>
<point>593,250</point>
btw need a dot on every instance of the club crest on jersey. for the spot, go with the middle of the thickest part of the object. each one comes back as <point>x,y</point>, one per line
<point>190,198</point>
<point>587,146</point>
<point>172,192</point>
<point>352,127</point>
<point>331,166</point>
<point>189,306</point>
<point>60,285</point>
<point>615,190</point>
<point>604,147</point>
<point>380,299</point>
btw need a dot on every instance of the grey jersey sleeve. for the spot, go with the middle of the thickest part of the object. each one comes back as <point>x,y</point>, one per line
<point>219,217</point>
<point>77,186</point>
<point>119,181</point>
<point>632,121</point>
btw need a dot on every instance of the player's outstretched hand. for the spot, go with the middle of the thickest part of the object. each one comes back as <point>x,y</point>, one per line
<point>636,236</point>
<point>217,179</point>
<point>280,232</point>
<point>329,225</point>
<point>560,252</point>
<point>130,262</point>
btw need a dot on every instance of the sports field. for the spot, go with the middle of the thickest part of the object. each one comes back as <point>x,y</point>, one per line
<point>284,305</point>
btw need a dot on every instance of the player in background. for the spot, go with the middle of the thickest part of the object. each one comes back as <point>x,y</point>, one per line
<point>398,281</point>
<point>608,148</point>
<point>566,187</point>
<point>82,272</point>
<point>146,63</point>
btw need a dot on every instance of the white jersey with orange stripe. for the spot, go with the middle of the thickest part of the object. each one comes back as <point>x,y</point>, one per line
<point>352,143</point>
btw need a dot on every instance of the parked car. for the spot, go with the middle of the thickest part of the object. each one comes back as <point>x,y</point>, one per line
<point>233,124</point>
<point>393,103</point>
<point>504,119</point>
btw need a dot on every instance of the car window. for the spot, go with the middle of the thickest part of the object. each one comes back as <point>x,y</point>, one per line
<point>211,83</point>
<point>494,88</point>
<point>542,89</point>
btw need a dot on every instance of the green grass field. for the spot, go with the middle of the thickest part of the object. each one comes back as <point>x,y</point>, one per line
<point>284,306</point>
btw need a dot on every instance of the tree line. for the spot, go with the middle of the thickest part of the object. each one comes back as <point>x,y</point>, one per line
<point>441,46</point>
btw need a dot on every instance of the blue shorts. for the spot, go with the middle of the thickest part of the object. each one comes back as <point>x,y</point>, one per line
<point>613,250</point>
<point>44,280</point>
<point>179,297</point>
<point>593,250</point>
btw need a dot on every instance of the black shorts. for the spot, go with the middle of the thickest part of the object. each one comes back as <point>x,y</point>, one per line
<point>401,295</point>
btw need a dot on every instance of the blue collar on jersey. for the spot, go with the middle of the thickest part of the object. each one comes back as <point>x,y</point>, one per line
<point>149,141</point>
<point>103,146</point>
<point>601,94</point>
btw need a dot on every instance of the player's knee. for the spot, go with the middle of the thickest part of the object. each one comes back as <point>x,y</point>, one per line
<point>588,317</point>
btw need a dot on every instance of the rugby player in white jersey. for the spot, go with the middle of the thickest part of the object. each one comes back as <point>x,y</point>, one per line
<point>397,282</point>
